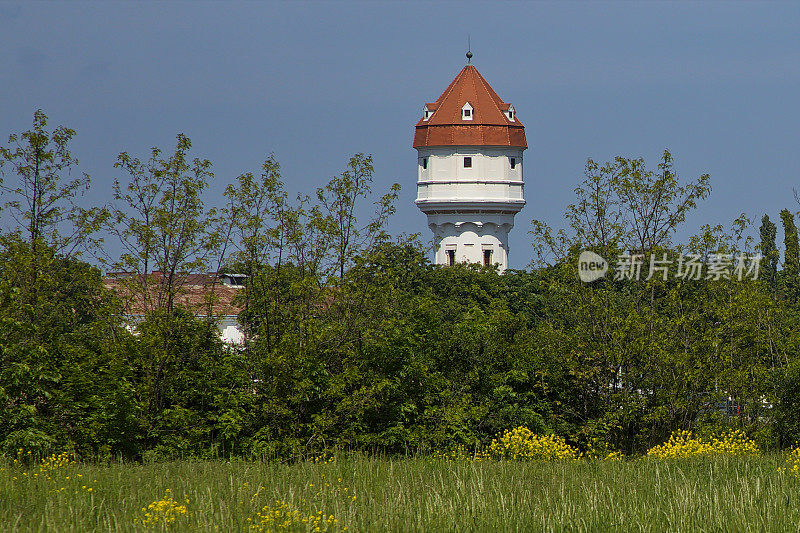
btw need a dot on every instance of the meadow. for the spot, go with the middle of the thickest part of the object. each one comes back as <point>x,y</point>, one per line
<point>353,492</point>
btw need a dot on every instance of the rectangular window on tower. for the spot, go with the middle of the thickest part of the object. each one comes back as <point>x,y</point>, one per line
<point>513,163</point>
<point>451,257</point>
<point>424,163</point>
<point>467,162</point>
<point>487,258</point>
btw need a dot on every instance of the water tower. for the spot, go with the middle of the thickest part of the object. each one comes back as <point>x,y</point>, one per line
<point>469,171</point>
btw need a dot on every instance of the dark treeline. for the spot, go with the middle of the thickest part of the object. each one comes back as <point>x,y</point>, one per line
<point>354,340</point>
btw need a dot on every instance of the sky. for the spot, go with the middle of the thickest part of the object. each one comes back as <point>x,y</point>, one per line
<point>716,83</point>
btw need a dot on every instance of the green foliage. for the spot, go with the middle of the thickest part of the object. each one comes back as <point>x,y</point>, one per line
<point>338,201</point>
<point>791,262</point>
<point>622,205</point>
<point>769,251</point>
<point>788,404</point>
<point>162,224</point>
<point>62,383</point>
<point>184,374</point>
<point>354,340</point>
<point>41,193</point>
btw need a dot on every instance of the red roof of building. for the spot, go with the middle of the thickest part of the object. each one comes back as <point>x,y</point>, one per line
<point>194,292</point>
<point>489,126</point>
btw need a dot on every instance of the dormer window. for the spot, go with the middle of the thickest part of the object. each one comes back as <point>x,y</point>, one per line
<point>233,280</point>
<point>466,112</point>
<point>427,113</point>
<point>510,113</point>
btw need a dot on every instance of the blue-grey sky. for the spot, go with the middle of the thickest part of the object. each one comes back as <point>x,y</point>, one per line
<point>315,82</point>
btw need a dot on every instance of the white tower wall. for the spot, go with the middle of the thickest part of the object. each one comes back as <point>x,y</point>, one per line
<point>470,195</point>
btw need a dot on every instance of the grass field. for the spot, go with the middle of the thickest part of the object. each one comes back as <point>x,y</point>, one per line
<point>411,494</point>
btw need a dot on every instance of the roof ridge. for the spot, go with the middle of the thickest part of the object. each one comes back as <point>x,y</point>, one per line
<point>460,95</point>
<point>494,95</point>
<point>450,87</point>
<point>475,90</point>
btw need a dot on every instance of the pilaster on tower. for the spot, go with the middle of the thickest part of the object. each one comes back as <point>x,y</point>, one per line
<point>469,172</point>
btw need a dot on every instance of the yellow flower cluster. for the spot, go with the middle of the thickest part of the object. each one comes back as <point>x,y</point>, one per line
<point>302,514</point>
<point>792,463</point>
<point>281,516</point>
<point>460,453</point>
<point>684,444</point>
<point>164,512</point>
<point>614,456</point>
<point>58,469</point>
<point>21,457</point>
<point>55,462</point>
<point>522,443</point>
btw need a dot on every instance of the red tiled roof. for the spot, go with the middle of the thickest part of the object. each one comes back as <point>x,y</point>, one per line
<point>489,125</point>
<point>193,294</point>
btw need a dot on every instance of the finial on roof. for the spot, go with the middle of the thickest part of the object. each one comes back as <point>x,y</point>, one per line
<point>469,50</point>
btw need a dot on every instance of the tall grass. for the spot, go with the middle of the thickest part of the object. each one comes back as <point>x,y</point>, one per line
<point>413,494</point>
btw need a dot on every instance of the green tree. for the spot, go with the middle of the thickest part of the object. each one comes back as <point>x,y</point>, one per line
<point>41,195</point>
<point>622,206</point>
<point>656,200</point>
<point>769,252</point>
<point>339,201</point>
<point>791,253</point>
<point>264,227</point>
<point>161,221</point>
<point>167,233</point>
<point>64,382</point>
<point>620,341</point>
<point>192,389</point>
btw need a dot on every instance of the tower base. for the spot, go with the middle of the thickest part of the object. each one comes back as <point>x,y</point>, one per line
<point>471,238</point>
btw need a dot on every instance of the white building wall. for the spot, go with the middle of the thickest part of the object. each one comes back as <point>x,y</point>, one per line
<point>230,330</point>
<point>487,163</point>
<point>470,209</point>
<point>469,241</point>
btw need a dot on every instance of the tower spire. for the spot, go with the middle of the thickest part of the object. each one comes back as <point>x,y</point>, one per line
<point>469,50</point>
